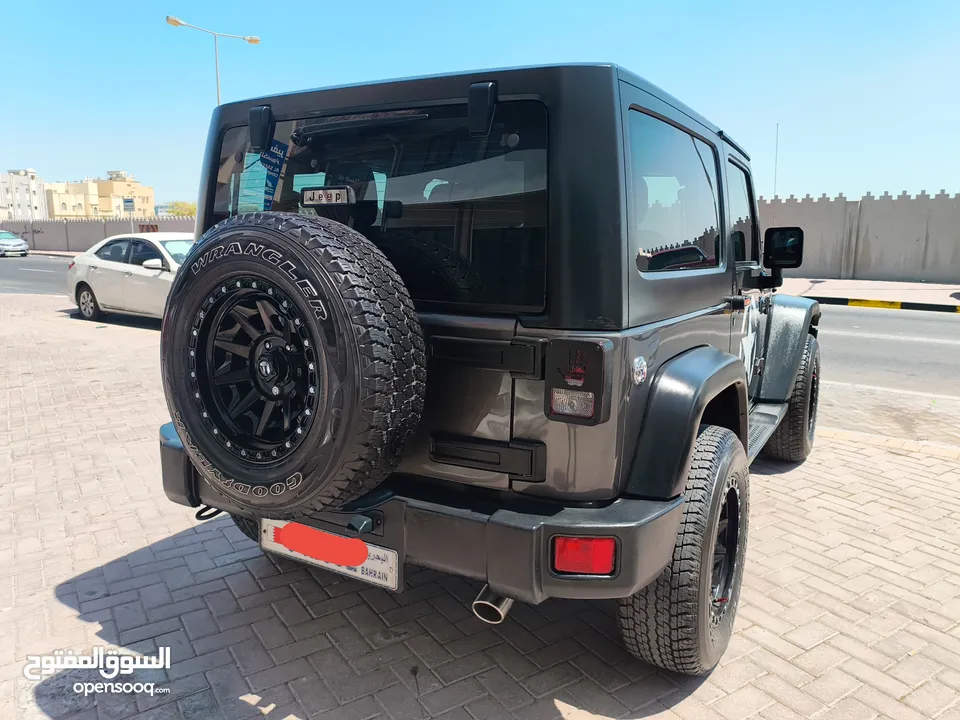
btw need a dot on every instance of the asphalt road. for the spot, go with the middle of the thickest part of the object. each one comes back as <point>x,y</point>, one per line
<point>902,349</point>
<point>44,274</point>
<point>896,349</point>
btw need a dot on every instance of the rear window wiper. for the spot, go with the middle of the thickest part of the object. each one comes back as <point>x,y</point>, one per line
<point>351,122</point>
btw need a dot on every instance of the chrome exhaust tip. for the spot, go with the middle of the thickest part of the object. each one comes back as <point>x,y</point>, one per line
<point>490,607</point>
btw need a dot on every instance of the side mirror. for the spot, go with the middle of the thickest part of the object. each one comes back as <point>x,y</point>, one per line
<point>783,248</point>
<point>153,264</point>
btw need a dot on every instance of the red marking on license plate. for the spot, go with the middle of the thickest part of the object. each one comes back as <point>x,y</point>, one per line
<point>320,545</point>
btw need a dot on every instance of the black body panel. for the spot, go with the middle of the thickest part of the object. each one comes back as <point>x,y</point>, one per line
<point>679,394</point>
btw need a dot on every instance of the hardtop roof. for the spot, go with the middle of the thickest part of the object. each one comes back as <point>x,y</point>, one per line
<point>602,68</point>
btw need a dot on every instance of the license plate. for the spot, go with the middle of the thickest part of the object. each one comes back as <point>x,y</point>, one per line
<point>327,196</point>
<point>347,556</point>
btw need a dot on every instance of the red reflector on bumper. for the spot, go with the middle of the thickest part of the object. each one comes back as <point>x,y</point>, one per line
<point>584,556</point>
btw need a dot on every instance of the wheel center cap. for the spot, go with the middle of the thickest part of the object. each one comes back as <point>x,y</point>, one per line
<point>265,368</point>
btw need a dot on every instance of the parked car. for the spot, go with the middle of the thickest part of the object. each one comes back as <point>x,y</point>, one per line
<point>129,274</point>
<point>11,244</point>
<point>415,331</point>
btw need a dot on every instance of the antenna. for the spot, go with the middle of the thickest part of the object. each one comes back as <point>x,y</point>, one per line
<point>776,158</point>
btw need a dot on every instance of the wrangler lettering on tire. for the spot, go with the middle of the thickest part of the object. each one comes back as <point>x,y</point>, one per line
<point>293,363</point>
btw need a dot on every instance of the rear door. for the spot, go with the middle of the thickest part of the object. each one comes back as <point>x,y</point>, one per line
<point>145,291</point>
<point>106,273</point>
<point>462,218</point>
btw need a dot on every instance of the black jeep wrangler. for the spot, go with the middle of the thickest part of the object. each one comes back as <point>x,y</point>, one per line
<point>517,325</point>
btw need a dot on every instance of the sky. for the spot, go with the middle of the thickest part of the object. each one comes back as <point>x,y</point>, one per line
<point>866,94</point>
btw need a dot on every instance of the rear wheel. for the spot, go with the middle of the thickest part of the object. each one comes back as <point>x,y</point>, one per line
<point>683,621</point>
<point>87,302</point>
<point>793,439</point>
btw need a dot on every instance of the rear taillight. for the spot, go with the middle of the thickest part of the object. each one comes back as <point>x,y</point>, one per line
<point>578,375</point>
<point>584,555</point>
<point>70,266</point>
<point>575,403</point>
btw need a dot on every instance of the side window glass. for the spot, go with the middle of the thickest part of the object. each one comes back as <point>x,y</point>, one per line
<point>143,251</point>
<point>743,226</point>
<point>115,251</point>
<point>675,210</point>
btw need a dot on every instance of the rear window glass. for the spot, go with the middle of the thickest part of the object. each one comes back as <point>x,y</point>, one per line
<point>463,218</point>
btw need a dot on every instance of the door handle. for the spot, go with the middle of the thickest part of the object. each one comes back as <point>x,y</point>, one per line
<point>127,273</point>
<point>94,267</point>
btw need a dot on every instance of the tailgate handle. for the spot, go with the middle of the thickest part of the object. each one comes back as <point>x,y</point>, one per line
<point>520,459</point>
<point>521,357</point>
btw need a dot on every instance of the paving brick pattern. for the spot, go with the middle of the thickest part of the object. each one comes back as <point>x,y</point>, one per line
<point>851,602</point>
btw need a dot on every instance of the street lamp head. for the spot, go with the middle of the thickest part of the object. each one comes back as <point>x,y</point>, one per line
<point>252,39</point>
<point>176,22</point>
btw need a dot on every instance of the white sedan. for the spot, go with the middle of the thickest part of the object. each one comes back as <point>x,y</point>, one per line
<point>129,274</point>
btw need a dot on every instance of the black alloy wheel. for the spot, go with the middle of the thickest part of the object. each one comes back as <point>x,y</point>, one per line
<point>254,373</point>
<point>725,556</point>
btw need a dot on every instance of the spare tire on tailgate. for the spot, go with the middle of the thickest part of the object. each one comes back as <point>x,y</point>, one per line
<point>293,363</point>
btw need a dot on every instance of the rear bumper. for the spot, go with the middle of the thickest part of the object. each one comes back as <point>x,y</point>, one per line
<point>510,549</point>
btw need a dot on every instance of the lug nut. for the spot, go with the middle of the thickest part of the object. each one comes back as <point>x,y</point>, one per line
<point>288,348</point>
<point>268,346</point>
<point>275,390</point>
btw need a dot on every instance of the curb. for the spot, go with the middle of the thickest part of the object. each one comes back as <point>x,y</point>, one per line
<point>887,304</point>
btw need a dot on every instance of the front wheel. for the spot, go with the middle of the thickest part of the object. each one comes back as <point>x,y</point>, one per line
<point>793,439</point>
<point>683,621</point>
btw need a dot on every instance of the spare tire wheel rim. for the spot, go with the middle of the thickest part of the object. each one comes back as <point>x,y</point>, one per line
<point>255,370</point>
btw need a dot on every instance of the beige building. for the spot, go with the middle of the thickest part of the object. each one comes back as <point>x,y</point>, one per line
<point>121,185</point>
<point>94,199</point>
<point>73,200</point>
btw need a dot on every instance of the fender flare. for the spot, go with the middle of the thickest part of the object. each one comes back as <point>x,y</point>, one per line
<point>679,393</point>
<point>792,318</point>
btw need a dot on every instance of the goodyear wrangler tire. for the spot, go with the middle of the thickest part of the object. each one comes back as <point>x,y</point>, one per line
<point>293,363</point>
<point>684,619</point>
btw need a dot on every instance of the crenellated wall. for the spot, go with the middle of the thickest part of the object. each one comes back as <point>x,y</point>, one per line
<point>905,238</point>
<point>908,238</point>
<point>79,235</point>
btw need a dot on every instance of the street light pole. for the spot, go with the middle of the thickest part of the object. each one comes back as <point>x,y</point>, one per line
<point>216,61</point>
<point>252,39</point>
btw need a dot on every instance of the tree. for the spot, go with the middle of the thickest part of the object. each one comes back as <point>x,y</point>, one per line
<point>181,208</point>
